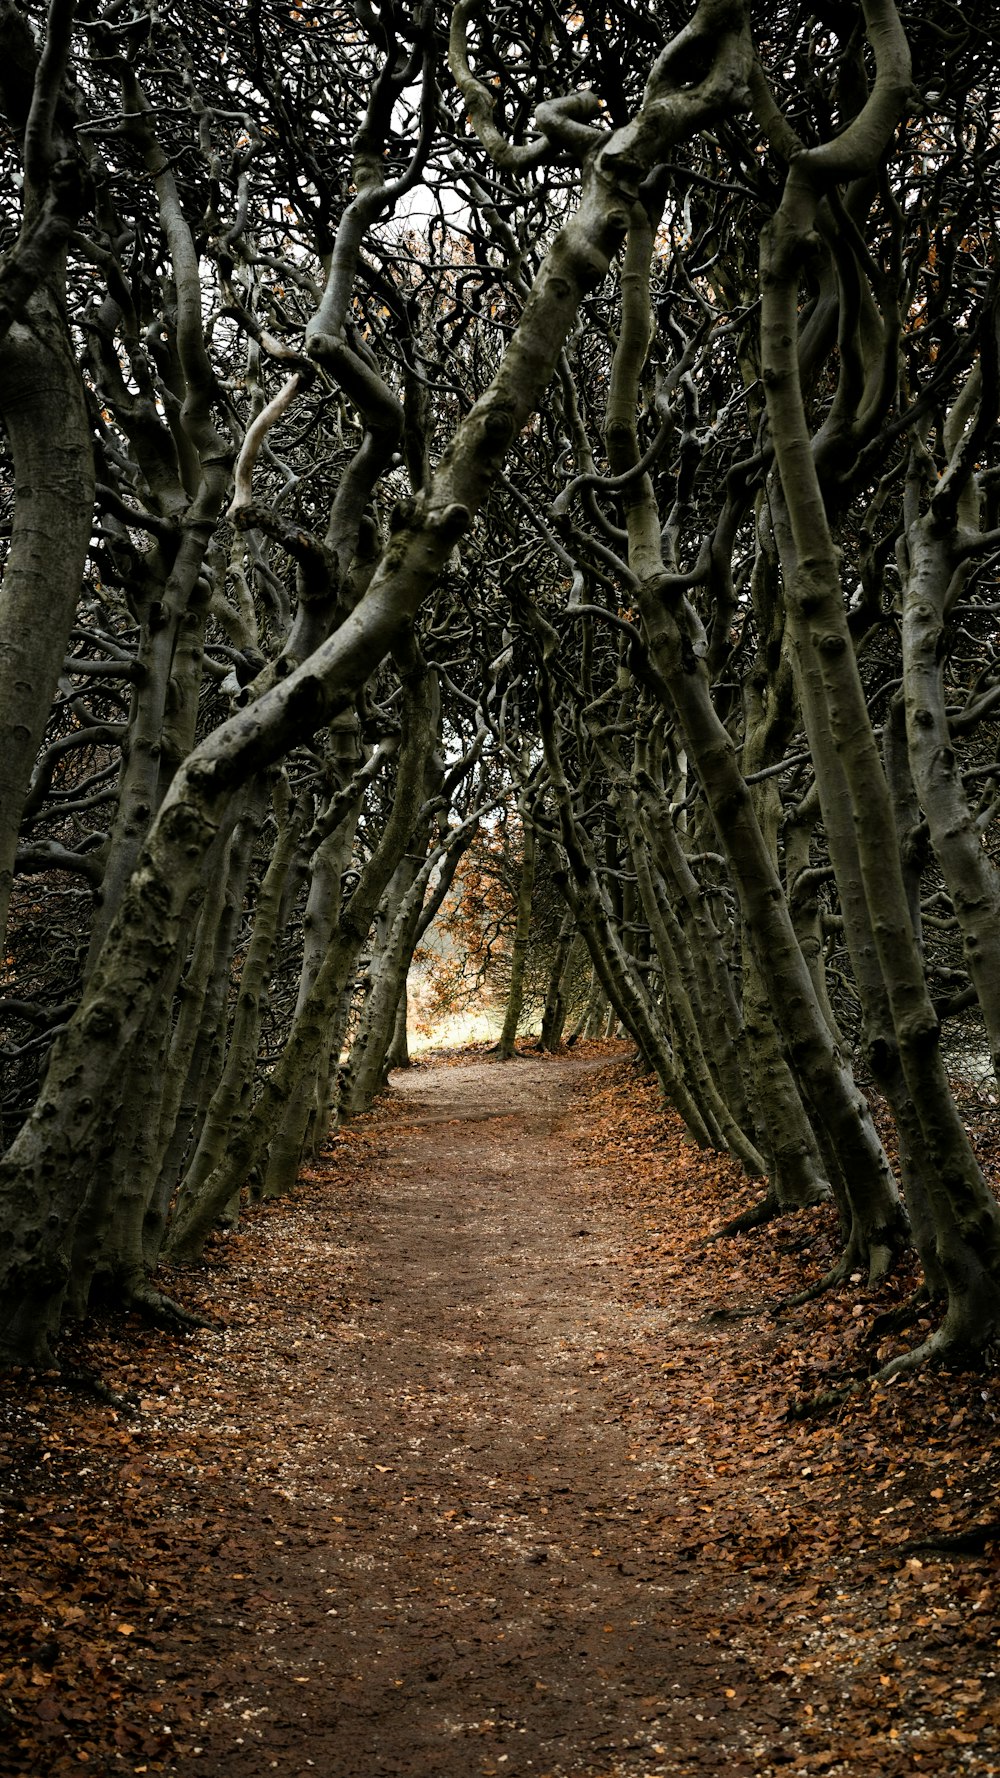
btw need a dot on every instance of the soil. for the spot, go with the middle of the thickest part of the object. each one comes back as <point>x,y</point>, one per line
<point>467,1486</point>
<point>496,1597</point>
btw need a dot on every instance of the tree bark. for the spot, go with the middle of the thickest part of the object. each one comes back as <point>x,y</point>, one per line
<point>44,412</point>
<point>879,1222</point>
<point>519,954</point>
<point>70,1130</point>
<point>231,1100</point>
<point>308,1043</point>
<point>931,584</point>
<point>555,1010</point>
<point>966,1215</point>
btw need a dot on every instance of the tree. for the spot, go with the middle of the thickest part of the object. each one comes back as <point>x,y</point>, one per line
<point>595,413</point>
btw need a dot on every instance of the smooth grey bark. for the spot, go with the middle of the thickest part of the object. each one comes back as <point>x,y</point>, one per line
<point>398,1054</point>
<point>667,940</point>
<point>230,1102</point>
<point>206,1058</point>
<point>69,1133</point>
<point>879,1222</point>
<point>724,1023</point>
<point>42,408</point>
<point>323,905</point>
<point>146,768</point>
<point>309,1041</point>
<point>362,1077</point>
<point>44,413</point>
<point>308,1104</point>
<point>677,651</point>
<point>519,952</point>
<point>412,902</point>
<point>110,1212</point>
<point>966,1215</point>
<point>162,729</point>
<point>879,1039</point>
<point>592,1006</point>
<point>582,887</point>
<point>772,714</point>
<point>915,1162</point>
<point>556,1009</point>
<point>368,1067</point>
<point>804,881</point>
<point>194,991</point>
<point>796,1174</point>
<point>122,1266</point>
<point>935,573</point>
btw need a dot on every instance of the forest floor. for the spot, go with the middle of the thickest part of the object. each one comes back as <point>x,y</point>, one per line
<point>490,1470</point>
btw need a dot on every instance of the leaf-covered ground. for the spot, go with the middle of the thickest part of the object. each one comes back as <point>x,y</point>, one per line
<point>490,1470</point>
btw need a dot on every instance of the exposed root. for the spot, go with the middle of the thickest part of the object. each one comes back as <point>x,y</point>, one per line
<point>767,1209</point>
<point>163,1312</point>
<point>896,1320</point>
<point>877,1261</point>
<point>825,1401</point>
<point>971,1542</point>
<point>934,1350</point>
<point>756,1216</point>
<point>833,1280</point>
<point>88,1383</point>
<point>943,1347</point>
<point>50,1370</point>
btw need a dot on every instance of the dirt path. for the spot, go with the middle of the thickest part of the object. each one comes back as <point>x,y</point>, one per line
<point>483,1478</point>
<point>469,1579</point>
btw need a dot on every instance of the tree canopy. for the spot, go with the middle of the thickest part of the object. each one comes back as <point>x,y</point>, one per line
<point>579,421</point>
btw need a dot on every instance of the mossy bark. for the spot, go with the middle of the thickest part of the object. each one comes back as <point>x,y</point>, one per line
<point>966,1215</point>
<point>308,1042</point>
<point>519,953</point>
<point>231,1100</point>
<point>672,635</point>
<point>555,1009</point>
<point>69,1133</point>
<point>44,413</point>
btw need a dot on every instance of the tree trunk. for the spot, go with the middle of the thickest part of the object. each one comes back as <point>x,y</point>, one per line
<point>727,1041</point>
<point>930,587</point>
<point>966,1215</point>
<point>199,1068</point>
<point>307,1101</point>
<point>308,1043</point>
<point>231,1099</point>
<point>554,1012</point>
<point>797,1176</point>
<point>665,932</point>
<point>365,1071</point>
<point>581,885</point>
<point>592,1000</point>
<point>43,409</point>
<point>522,934</point>
<point>879,1222</point>
<point>72,1126</point>
<point>399,1048</point>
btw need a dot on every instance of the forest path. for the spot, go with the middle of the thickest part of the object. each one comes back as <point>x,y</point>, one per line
<point>472,1574</point>
<point>480,1477</point>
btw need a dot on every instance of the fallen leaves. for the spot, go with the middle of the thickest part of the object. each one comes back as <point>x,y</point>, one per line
<point>815,1510</point>
<point>126,1589</point>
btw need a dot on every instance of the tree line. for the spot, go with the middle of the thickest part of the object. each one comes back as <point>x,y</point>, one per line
<point>415,422</point>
